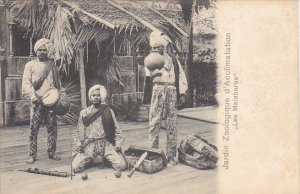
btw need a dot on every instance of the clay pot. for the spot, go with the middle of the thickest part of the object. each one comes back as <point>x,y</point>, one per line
<point>154,61</point>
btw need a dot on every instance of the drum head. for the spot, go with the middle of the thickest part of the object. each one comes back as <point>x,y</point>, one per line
<point>50,97</point>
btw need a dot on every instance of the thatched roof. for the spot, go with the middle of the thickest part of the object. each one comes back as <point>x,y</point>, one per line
<point>106,11</point>
<point>102,9</point>
<point>100,20</point>
<point>76,22</point>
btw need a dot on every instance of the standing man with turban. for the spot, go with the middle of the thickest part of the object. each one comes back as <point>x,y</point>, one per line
<point>165,88</point>
<point>98,134</point>
<point>39,76</point>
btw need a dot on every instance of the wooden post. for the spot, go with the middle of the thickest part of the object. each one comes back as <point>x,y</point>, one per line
<point>1,92</point>
<point>129,48</point>
<point>82,78</point>
<point>189,61</point>
<point>31,47</point>
<point>11,49</point>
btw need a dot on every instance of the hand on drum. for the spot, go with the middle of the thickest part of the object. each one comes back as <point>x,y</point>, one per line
<point>35,101</point>
<point>156,72</point>
<point>118,148</point>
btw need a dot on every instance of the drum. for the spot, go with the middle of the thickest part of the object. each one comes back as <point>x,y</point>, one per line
<point>51,97</point>
<point>57,100</point>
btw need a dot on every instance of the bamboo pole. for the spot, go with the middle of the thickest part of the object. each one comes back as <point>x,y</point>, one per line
<point>31,47</point>
<point>145,23</point>
<point>189,61</point>
<point>82,78</point>
<point>2,53</point>
<point>169,20</point>
<point>11,49</point>
<point>188,66</point>
<point>98,19</point>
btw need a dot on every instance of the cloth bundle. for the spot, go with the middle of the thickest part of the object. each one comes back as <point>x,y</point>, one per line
<point>198,153</point>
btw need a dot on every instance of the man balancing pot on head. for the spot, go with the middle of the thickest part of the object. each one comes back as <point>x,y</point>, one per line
<point>166,80</point>
<point>39,76</point>
<point>98,134</point>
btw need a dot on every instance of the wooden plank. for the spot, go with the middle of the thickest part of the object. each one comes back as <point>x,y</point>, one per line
<point>17,112</point>
<point>3,39</point>
<point>12,150</point>
<point>125,62</point>
<point>17,64</point>
<point>180,178</point>
<point>80,54</point>
<point>13,88</point>
<point>23,129</point>
<point>129,79</point>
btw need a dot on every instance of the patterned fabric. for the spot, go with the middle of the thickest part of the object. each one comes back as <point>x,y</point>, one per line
<point>163,105</point>
<point>40,114</point>
<point>198,153</point>
<point>95,129</point>
<point>93,115</point>
<point>100,148</point>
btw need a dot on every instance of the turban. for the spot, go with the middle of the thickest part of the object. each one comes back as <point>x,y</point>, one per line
<point>157,38</point>
<point>49,46</point>
<point>103,92</point>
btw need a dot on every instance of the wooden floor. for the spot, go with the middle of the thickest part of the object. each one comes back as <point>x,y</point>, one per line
<point>178,179</point>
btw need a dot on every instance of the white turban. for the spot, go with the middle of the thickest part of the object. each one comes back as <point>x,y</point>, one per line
<point>49,46</point>
<point>103,92</point>
<point>157,38</point>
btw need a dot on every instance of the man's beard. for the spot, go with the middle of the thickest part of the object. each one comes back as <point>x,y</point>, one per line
<point>161,52</point>
<point>42,57</point>
<point>97,104</point>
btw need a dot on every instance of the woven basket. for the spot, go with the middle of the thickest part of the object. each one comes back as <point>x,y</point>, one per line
<point>154,162</point>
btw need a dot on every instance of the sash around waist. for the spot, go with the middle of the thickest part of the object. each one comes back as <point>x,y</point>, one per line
<point>164,84</point>
<point>92,140</point>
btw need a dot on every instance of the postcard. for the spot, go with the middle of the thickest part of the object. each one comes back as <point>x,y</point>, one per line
<point>153,96</point>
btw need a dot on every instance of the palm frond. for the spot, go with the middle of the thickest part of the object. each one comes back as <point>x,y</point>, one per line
<point>40,18</point>
<point>188,5</point>
<point>62,36</point>
<point>73,94</point>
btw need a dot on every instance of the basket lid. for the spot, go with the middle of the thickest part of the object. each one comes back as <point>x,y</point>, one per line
<point>151,150</point>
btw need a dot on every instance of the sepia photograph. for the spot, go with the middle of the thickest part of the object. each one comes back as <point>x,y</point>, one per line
<point>108,96</point>
<point>149,97</point>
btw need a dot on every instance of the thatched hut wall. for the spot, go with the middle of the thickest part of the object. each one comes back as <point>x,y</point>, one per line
<point>120,33</point>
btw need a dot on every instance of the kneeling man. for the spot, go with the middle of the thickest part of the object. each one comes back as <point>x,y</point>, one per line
<point>98,134</point>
